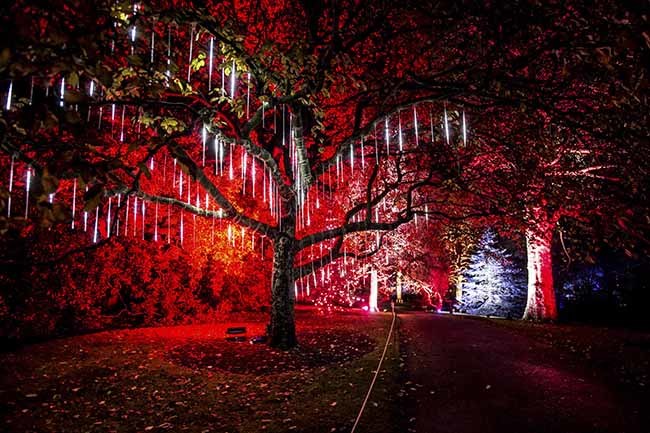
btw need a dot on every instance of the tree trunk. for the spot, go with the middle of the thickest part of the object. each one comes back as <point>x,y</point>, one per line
<point>541,304</point>
<point>282,329</point>
<point>458,286</point>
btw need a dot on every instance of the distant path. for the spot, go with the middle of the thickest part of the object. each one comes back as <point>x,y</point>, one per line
<point>470,376</point>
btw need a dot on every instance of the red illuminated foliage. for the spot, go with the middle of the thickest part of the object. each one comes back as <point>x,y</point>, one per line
<point>319,91</point>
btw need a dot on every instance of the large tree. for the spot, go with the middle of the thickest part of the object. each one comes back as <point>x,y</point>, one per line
<point>255,114</point>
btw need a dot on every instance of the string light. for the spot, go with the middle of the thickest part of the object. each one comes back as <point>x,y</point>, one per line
<point>127,209</point>
<point>62,92</point>
<point>189,65</point>
<point>216,155</point>
<point>169,53</point>
<point>253,175</point>
<point>153,42</point>
<point>11,184</point>
<point>210,62</point>
<point>431,121</point>
<point>204,136</point>
<point>155,225</point>
<point>9,92</point>
<point>143,206</point>
<point>464,130</point>
<point>135,215</point>
<point>387,133</point>
<point>74,200</point>
<point>223,81</point>
<point>108,219</point>
<point>263,107</point>
<point>122,123</point>
<point>415,125</point>
<point>112,119</point>
<point>31,90</point>
<point>399,131</point>
<point>96,230</point>
<point>86,216</point>
<point>248,94</point>
<point>27,186</point>
<point>182,229</point>
<point>446,126</point>
<point>119,203</point>
<point>233,81</point>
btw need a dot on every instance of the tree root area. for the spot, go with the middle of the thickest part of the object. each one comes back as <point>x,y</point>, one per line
<point>316,348</point>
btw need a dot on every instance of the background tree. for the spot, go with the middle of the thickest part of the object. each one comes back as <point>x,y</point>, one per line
<point>563,98</point>
<point>494,281</point>
<point>412,254</point>
<point>459,240</point>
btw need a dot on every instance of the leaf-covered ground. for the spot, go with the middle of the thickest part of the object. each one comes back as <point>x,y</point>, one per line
<point>188,378</point>
<point>318,347</point>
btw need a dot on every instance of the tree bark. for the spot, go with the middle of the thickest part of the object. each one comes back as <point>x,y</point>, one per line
<point>458,286</point>
<point>282,328</point>
<point>541,304</point>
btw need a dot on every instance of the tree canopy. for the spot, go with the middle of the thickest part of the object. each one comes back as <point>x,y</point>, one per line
<point>321,125</point>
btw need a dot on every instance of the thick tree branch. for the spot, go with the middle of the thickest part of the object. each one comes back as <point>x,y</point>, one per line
<point>229,211</point>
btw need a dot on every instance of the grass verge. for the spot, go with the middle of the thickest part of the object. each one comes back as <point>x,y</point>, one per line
<point>128,381</point>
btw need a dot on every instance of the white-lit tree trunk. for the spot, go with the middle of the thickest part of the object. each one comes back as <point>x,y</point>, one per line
<point>458,286</point>
<point>372,302</point>
<point>398,288</point>
<point>541,304</point>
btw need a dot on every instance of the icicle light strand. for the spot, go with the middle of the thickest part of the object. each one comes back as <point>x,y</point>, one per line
<point>189,63</point>
<point>9,92</point>
<point>233,80</point>
<point>27,186</point>
<point>11,184</point>
<point>74,200</point>
<point>62,92</point>
<point>210,63</point>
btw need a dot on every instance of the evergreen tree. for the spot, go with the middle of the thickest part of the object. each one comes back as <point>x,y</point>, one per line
<point>494,284</point>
